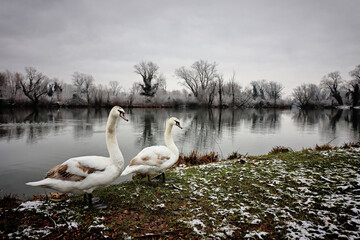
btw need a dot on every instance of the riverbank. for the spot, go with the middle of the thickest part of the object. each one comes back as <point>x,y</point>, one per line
<point>313,193</point>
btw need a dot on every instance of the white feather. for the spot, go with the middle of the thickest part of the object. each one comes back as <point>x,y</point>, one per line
<point>84,174</point>
<point>156,159</point>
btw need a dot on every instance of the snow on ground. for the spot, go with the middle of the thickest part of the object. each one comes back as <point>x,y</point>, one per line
<point>305,199</point>
<point>302,199</point>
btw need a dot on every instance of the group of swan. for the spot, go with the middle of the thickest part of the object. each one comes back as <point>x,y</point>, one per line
<point>82,175</point>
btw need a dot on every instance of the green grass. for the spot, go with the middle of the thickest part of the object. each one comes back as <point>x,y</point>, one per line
<point>311,194</point>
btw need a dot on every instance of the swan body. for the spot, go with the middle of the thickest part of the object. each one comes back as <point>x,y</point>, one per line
<point>156,159</point>
<point>82,175</point>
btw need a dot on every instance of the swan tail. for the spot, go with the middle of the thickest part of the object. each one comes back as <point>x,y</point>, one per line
<point>126,171</point>
<point>41,183</point>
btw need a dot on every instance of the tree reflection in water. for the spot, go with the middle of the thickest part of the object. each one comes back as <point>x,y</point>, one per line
<point>204,128</point>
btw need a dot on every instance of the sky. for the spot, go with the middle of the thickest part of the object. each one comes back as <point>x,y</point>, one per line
<point>287,41</point>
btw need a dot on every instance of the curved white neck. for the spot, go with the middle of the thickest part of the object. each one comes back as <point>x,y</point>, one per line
<point>111,142</point>
<point>169,140</point>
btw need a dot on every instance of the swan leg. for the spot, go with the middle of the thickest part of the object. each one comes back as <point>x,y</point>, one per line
<point>90,196</point>
<point>149,179</point>
<point>85,198</point>
<point>163,176</point>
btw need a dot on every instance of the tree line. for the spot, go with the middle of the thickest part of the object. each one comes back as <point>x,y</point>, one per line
<point>204,86</point>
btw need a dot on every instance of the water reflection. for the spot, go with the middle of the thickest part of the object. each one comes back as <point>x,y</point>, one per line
<point>204,127</point>
<point>29,124</point>
<point>48,137</point>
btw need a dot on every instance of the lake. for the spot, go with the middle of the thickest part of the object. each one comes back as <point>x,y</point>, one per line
<point>33,142</point>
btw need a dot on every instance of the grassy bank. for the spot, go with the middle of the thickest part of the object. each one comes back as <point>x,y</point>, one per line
<point>314,193</point>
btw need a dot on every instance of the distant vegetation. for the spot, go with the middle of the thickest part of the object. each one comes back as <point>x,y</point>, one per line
<point>204,86</point>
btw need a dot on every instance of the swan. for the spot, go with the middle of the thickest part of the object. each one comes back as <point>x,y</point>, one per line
<point>156,159</point>
<point>82,175</point>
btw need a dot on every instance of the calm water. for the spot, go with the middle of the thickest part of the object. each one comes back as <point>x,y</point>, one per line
<point>33,142</point>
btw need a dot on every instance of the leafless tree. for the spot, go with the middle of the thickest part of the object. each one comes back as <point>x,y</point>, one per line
<point>353,85</point>
<point>307,95</point>
<point>232,89</point>
<point>274,91</point>
<point>88,85</point>
<point>2,83</point>
<point>332,83</point>
<point>211,93</point>
<point>115,87</point>
<point>220,83</point>
<point>131,96</point>
<point>108,92</point>
<point>83,84</point>
<point>161,80</point>
<point>98,93</point>
<point>200,75</point>
<point>10,84</point>
<point>34,85</point>
<point>78,81</point>
<point>148,72</point>
<point>244,98</point>
<point>55,87</point>
<point>259,88</point>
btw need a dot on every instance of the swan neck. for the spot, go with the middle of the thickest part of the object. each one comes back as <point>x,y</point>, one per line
<point>169,140</point>
<point>111,142</point>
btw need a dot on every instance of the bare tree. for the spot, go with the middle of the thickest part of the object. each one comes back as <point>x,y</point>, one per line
<point>148,72</point>
<point>200,75</point>
<point>244,98</point>
<point>161,80</point>
<point>259,87</point>
<point>353,85</point>
<point>2,83</point>
<point>78,81</point>
<point>131,97</point>
<point>211,93</point>
<point>307,95</point>
<point>55,87</point>
<point>220,84</point>
<point>332,83</point>
<point>83,84</point>
<point>98,93</point>
<point>115,87</point>
<point>10,84</point>
<point>108,91</point>
<point>88,85</point>
<point>232,89</point>
<point>34,85</point>
<point>274,91</point>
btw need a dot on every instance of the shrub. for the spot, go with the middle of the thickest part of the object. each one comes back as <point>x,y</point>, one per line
<point>234,155</point>
<point>280,149</point>
<point>324,147</point>
<point>194,158</point>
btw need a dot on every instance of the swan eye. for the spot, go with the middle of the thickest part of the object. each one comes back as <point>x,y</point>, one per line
<point>177,122</point>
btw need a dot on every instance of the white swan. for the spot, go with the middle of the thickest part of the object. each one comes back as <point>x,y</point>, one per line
<point>82,175</point>
<point>156,159</point>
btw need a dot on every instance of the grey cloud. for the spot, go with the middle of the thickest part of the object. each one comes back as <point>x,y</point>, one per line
<point>288,41</point>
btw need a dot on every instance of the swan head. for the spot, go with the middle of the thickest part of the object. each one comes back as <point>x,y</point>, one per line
<point>174,121</point>
<point>118,112</point>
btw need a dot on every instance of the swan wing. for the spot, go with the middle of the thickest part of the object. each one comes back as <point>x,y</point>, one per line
<point>77,169</point>
<point>152,156</point>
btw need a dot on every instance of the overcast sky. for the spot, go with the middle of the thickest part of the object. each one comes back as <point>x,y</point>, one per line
<point>291,42</point>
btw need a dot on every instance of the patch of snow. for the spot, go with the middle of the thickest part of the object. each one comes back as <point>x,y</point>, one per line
<point>29,205</point>
<point>97,226</point>
<point>195,223</point>
<point>257,234</point>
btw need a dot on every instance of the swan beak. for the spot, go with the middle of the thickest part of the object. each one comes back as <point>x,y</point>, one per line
<point>122,115</point>
<point>179,126</point>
